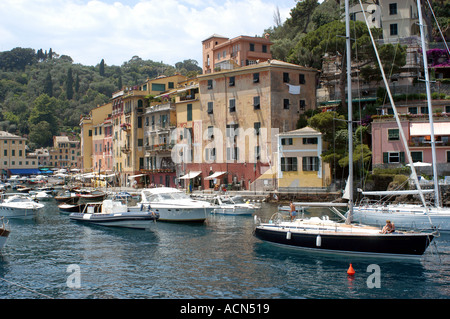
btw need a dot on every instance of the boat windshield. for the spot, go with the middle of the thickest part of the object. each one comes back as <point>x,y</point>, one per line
<point>164,196</point>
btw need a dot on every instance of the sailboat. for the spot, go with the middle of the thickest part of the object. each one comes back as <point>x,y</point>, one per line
<point>409,216</point>
<point>325,235</point>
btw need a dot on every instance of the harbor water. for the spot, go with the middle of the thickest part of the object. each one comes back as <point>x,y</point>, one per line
<point>51,256</point>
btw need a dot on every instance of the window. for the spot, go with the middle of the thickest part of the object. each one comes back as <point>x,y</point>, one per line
<point>232,130</point>
<point>158,87</point>
<point>311,163</point>
<point>264,48</point>
<point>412,110</point>
<point>448,156</point>
<point>189,112</point>
<point>289,164</point>
<point>310,140</point>
<point>393,29</point>
<point>417,156</point>
<point>232,105</point>
<point>210,107</point>
<point>393,157</point>
<point>231,81</point>
<point>286,104</point>
<point>255,77</point>
<point>232,153</point>
<point>285,77</point>
<point>393,135</point>
<point>286,141</point>
<point>302,105</point>
<point>257,127</point>
<point>424,110</point>
<point>392,8</point>
<point>210,132</point>
<point>256,103</point>
<point>301,79</point>
<point>171,85</point>
<point>252,47</point>
<point>210,84</point>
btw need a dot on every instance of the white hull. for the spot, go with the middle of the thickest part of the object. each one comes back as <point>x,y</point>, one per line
<point>233,210</point>
<point>17,212</point>
<point>403,216</point>
<point>174,213</point>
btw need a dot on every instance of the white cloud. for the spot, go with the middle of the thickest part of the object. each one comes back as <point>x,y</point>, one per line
<point>168,31</point>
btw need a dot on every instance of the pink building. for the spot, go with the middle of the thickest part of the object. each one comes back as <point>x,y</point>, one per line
<point>387,147</point>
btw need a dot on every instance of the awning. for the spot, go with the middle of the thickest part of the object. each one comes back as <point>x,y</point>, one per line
<point>25,171</point>
<point>215,175</point>
<point>424,129</point>
<point>138,175</point>
<point>191,175</point>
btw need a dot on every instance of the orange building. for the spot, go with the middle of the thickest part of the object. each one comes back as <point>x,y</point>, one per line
<point>221,53</point>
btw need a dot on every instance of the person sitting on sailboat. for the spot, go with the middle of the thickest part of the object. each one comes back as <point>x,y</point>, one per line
<point>388,228</point>
<point>292,211</point>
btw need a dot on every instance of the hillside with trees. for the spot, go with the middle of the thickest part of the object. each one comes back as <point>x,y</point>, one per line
<point>44,94</point>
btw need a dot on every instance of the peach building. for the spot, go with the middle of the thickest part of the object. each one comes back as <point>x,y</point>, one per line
<point>222,53</point>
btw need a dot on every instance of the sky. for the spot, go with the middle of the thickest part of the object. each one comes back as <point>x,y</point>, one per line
<point>160,30</point>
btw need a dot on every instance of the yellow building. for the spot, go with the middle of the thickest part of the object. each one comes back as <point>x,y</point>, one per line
<point>92,134</point>
<point>64,153</point>
<point>13,156</point>
<point>299,161</point>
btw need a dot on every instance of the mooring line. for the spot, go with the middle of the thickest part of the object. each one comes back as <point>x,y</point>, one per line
<point>29,289</point>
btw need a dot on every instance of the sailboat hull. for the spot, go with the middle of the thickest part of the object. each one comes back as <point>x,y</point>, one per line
<point>392,245</point>
<point>403,216</point>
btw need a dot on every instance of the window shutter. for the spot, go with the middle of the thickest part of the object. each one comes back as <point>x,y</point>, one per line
<point>385,157</point>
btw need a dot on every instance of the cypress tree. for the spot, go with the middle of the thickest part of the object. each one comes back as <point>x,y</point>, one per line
<point>48,85</point>
<point>102,68</point>
<point>69,84</point>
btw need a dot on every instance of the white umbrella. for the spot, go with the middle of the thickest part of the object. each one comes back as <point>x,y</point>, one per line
<point>419,164</point>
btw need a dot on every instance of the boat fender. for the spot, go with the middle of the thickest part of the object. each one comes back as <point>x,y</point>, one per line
<point>288,235</point>
<point>318,241</point>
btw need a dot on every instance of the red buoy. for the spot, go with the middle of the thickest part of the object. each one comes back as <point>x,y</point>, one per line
<point>350,270</point>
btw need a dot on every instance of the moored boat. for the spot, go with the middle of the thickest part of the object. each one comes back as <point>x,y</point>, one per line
<point>226,205</point>
<point>114,214</point>
<point>173,205</point>
<point>18,205</point>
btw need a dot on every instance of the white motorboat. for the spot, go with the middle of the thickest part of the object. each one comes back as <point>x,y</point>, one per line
<point>173,205</point>
<point>114,214</point>
<point>18,206</point>
<point>41,196</point>
<point>227,205</point>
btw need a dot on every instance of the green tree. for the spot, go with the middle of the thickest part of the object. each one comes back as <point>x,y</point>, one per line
<point>69,84</point>
<point>44,110</point>
<point>41,134</point>
<point>102,68</point>
<point>48,85</point>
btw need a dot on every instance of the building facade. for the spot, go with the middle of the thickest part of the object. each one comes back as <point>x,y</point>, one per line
<point>14,159</point>
<point>387,147</point>
<point>241,111</point>
<point>299,163</point>
<point>221,53</point>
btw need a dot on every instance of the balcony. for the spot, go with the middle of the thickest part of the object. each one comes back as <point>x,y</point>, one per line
<point>125,149</point>
<point>160,147</point>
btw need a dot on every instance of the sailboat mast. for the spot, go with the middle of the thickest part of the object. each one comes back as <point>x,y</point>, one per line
<point>350,113</point>
<point>430,110</point>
